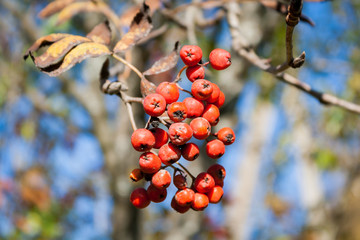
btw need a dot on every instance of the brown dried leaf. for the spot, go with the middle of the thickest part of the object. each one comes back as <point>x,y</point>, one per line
<point>44,41</point>
<point>101,33</point>
<point>146,87</point>
<point>129,15</point>
<point>77,55</point>
<point>75,8</point>
<point>54,7</point>
<point>165,63</point>
<point>140,28</point>
<point>58,50</point>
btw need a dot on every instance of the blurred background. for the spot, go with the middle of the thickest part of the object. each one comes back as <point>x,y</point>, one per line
<point>293,172</point>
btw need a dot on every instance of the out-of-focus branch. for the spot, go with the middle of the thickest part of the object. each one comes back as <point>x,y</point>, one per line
<point>241,46</point>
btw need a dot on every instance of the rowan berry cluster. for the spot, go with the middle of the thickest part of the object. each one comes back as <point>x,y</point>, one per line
<point>193,117</point>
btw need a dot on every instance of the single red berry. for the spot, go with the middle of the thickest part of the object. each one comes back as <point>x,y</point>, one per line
<point>139,198</point>
<point>220,101</point>
<point>169,91</point>
<point>155,194</point>
<point>194,107</point>
<point>154,104</point>
<point>201,128</point>
<point>177,207</point>
<point>149,162</point>
<point>201,201</point>
<point>177,111</point>
<point>220,59</point>
<point>215,194</point>
<point>161,137</point>
<point>190,151</point>
<point>169,153</point>
<point>185,197</point>
<point>136,175</point>
<point>218,173</point>
<point>201,89</point>
<point>226,135</point>
<point>161,179</point>
<point>190,54</point>
<point>180,133</point>
<point>215,148</point>
<point>204,182</point>
<point>180,181</point>
<point>212,114</point>
<point>142,140</point>
<point>195,72</point>
<point>214,95</point>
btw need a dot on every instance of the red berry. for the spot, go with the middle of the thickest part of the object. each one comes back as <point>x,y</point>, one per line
<point>220,101</point>
<point>149,162</point>
<point>195,72</point>
<point>214,95</point>
<point>226,135</point>
<point>155,194</point>
<point>161,179</point>
<point>177,111</point>
<point>220,59</point>
<point>215,148</point>
<point>201,89</point>
<point>169,91</point>
<point>136,175</point>
<point>139,198</point>
<point>201,128</point>
<point>190,54</point>
<point>212,114</point>
<point>204,182</point>
<point>218,173</point>
<point>177,207</point>
<point>201,201</point>
<point>142,140</point>
<point>154,104</point>
<point>190,151</point>
<point>148,176</point>
<point>161,137</point>
<point>215,194</point>
<point>180,181</point>
<point>194,107</point>
<point>184,197</point>
<point>180,133</point>
<point>169,153</point>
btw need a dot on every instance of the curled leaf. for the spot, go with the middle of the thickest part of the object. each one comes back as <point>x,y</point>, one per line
<point>54,7</point>
<point>165,63</point>
<point>58,50</point>
<point>44,41</point>
<point>77,55</point>
<point>146,87</point>
<point>101,33</point>
<point>73,9</point>
<point>128,16</point>
<point>140,28</point>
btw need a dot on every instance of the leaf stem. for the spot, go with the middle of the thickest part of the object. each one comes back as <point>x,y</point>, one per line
<point>132,67</point>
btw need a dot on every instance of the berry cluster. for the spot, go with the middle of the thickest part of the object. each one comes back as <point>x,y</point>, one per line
<point>193,117</point>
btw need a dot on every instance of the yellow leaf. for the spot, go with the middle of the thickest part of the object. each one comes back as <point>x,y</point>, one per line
<point>54,7</point>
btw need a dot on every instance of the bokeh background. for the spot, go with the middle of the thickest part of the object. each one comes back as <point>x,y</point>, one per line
<point>293,172</point>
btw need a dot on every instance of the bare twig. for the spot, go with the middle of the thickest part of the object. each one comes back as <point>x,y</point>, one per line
<point>242,48</point>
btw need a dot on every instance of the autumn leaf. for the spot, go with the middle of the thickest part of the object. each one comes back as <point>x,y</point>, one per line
<point>45,41</point>
<point>140,28</point>
<point>77,55</point>
<point>146,87</point>
<point>101,33</point>
<point>75,8</point>
<point>58,50</point>
<point>165,63</point>
<point>128,16</point>
<point>54,7</point>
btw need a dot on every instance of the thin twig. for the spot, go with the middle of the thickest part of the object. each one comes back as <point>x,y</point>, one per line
<point>178,76</point>
<point>186,170</point>
<point>132,67</point>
